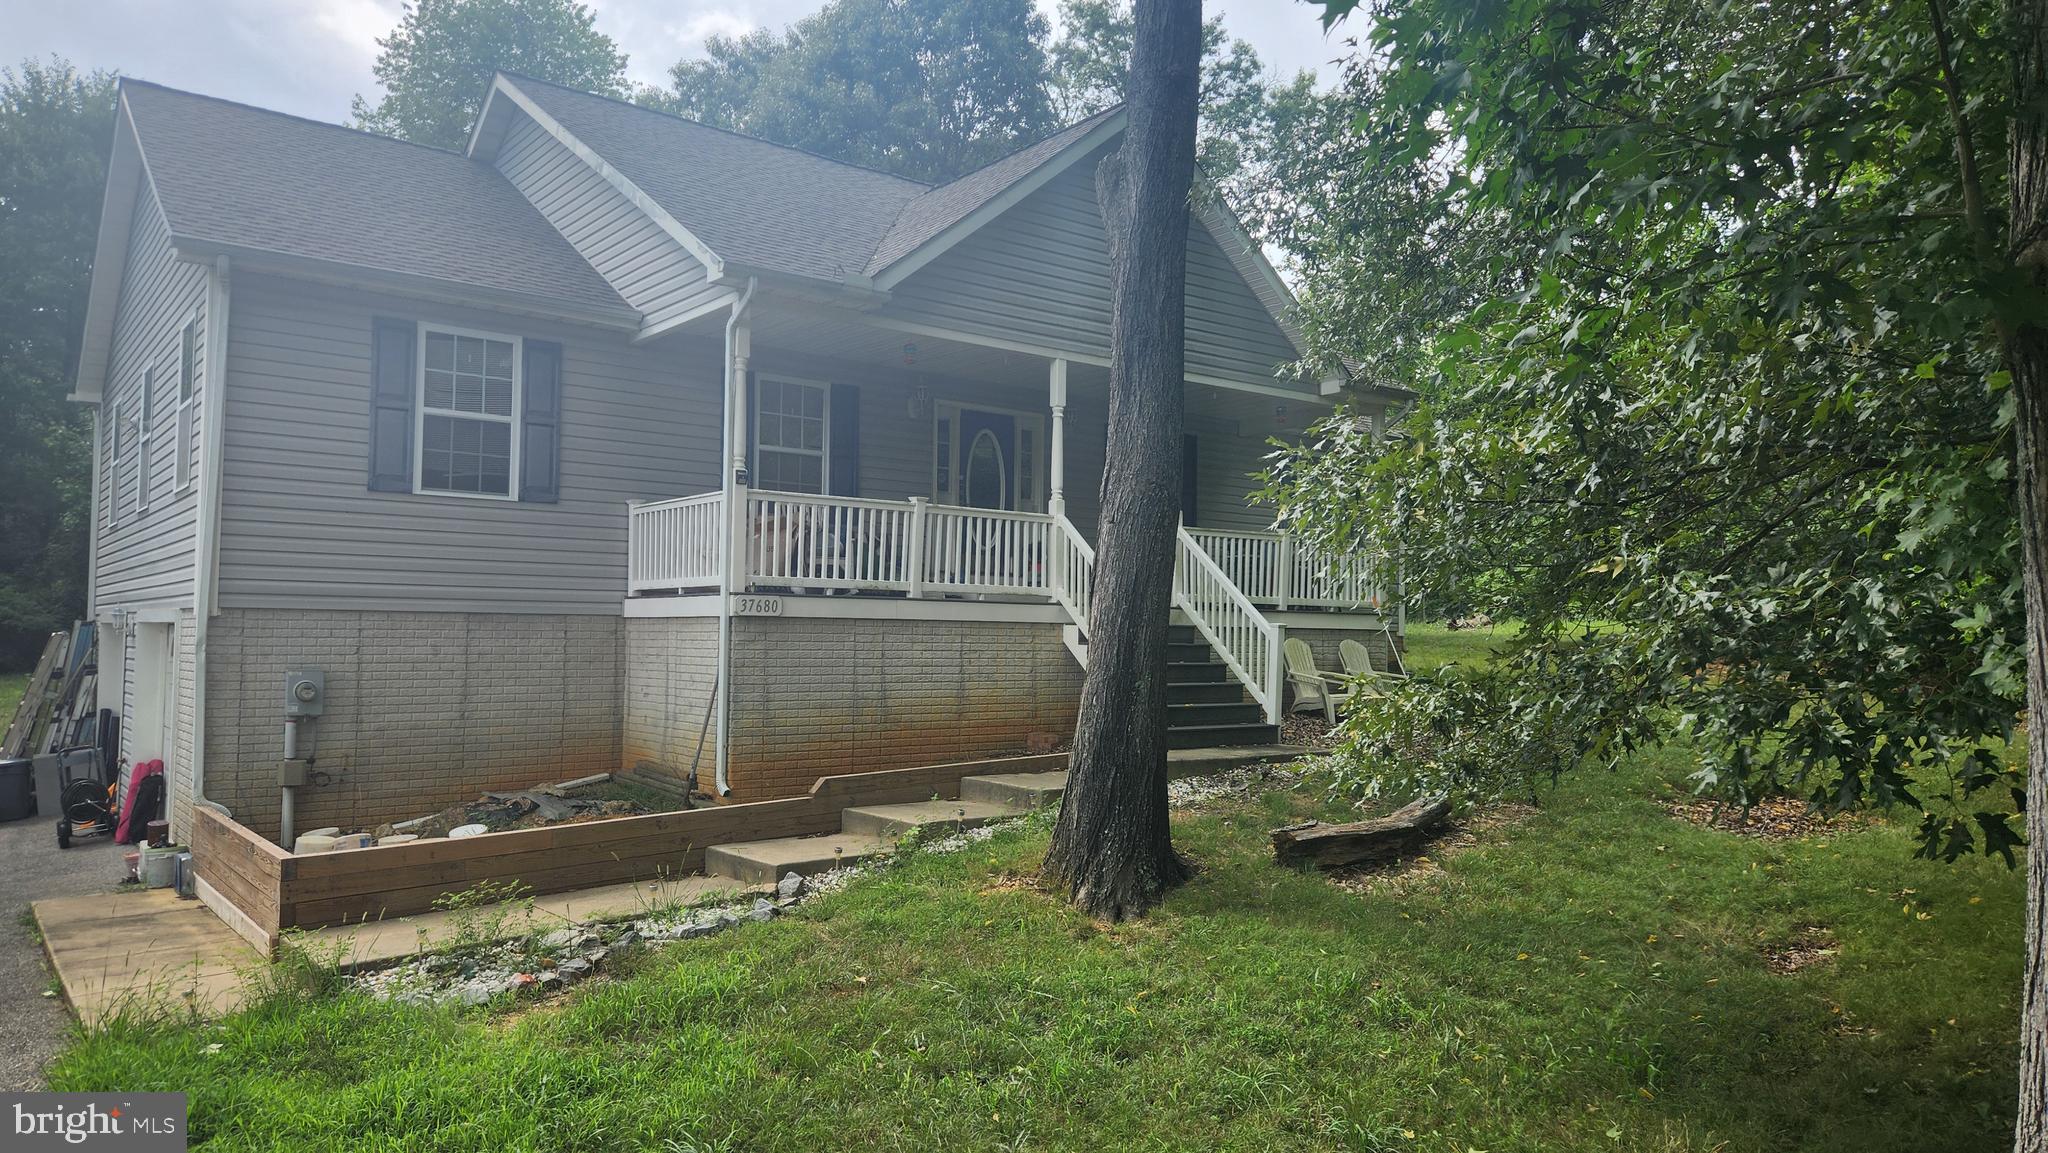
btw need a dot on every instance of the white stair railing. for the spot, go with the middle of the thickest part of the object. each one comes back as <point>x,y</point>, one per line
<point>1248,643</point>
<point>1072,577</point>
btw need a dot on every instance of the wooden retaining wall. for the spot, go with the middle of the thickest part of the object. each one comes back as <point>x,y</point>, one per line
<point>271,890</point>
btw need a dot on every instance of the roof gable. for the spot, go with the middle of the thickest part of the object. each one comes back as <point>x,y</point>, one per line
<point>254,182</point>
<point>756,205</point>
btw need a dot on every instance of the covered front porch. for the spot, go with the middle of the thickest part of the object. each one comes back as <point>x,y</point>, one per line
<point>901,553</point>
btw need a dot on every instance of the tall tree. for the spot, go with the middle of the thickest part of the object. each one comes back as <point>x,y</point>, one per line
<point>436,65</point>
<point>1090,60</point>
<point>1772,399</point>
<point>1112,848</point>
<point>928,89</point>
<point>55,127</point>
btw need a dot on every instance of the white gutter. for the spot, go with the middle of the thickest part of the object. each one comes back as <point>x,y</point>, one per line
<point>729,520</point>
<point>206,542</point>
<point>92,540</point>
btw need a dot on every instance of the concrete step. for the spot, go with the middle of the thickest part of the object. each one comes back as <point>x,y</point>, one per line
<point>766,862</point>
<point>1204,693</point>
<point>1218,736</point>
<point>1237,712</point>
<point>892,821</point>
<point>1014,791</point>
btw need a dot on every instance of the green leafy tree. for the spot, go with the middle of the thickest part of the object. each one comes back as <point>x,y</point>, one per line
<point>928,89</point>
<point>437,64</point>
<point>55,126</point>
<point>1769,403</point>
<point>1090,62</point>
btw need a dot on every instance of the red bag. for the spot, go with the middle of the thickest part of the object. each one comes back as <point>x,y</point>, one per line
<point>130,824</point>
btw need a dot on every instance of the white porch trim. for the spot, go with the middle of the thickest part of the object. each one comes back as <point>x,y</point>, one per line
<point>798,607</point>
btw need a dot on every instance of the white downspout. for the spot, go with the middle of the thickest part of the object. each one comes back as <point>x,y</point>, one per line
<point>734,461</point>
<point>206,543</point>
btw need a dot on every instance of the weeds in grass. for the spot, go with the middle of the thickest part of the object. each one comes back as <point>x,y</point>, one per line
<point>483,913</point>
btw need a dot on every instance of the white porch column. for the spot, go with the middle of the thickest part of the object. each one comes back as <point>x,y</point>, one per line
<point>1057,470</point>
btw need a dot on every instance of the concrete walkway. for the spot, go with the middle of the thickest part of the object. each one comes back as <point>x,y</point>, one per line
<point>34,1027</point>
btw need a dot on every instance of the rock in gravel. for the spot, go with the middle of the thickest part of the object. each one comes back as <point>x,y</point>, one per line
<point>764,909</point>
<point>573,968</point>
<point>790,885</point>
<point>561,940</point>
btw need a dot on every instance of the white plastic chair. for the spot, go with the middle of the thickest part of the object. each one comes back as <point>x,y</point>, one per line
<point>1313,688</point>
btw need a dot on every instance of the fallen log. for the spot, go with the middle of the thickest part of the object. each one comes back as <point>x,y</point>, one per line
<point>1398,834</point>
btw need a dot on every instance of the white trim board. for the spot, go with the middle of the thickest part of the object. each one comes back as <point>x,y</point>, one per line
<point>812,607</point>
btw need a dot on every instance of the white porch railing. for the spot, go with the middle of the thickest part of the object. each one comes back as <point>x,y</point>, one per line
<point>801,542</point>
<point>1229,621</point>
<point>1272,568</point>
<point>673,544</point>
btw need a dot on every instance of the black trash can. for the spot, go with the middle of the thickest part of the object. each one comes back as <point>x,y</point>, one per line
<point>17,789</point>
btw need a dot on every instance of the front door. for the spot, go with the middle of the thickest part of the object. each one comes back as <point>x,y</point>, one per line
<point>988,475</point>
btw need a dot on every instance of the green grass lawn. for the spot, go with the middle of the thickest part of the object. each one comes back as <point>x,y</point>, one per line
<point>1590,976</point>
<point>12,685</point>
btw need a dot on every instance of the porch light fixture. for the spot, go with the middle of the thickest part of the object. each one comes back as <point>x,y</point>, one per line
<point>920,400</point>
<point>118,619</point>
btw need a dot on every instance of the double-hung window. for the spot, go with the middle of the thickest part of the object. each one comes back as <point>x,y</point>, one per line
<point>468,406</point>
<point>143,438</point>
<point>188,339</point>
<point>789,435</point>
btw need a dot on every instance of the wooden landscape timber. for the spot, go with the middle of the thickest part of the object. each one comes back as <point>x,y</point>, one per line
<point>1398,834</point>
<point>269,890</point>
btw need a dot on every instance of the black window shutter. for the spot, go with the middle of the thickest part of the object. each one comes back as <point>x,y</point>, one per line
<point>753,413</point>
<point>391,394</point>
<point>842,443</point>
<point>540,426</point>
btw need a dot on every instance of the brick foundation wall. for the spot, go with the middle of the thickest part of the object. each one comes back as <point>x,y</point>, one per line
<point>423,709</point>
<point>814,696</point>
<point>671,666</point>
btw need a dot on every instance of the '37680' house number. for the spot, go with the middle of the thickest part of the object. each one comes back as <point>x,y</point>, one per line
<point>749,606</point>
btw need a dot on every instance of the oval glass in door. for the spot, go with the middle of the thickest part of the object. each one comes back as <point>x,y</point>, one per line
<point>984,478</point>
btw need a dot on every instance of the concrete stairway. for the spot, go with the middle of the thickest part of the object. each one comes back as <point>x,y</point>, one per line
<point>873,830</point>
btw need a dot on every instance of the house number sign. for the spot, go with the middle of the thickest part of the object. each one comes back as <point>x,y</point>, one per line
<point>748,606</point>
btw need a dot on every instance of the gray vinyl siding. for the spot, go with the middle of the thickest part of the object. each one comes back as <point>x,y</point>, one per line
<point>145,558</point>
<point>300,529</point>
<point>647,266</point>
<point>1038,277</point>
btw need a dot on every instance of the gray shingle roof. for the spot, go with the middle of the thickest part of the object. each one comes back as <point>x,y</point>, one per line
<point>769,206</point>
<point>236,175</point>
<point>944,206</point>
<point>754,203</point>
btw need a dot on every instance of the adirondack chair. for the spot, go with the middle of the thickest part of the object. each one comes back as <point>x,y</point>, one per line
<point>1361,668</point>
<point>1313,688</point>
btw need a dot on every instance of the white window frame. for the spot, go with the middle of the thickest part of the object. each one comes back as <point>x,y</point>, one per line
<point>420,413</point>
<point>144,438</point>
<point>1032,500</point>
<point>824,454</point>
<point>116,444</point>
<point>188,400</point>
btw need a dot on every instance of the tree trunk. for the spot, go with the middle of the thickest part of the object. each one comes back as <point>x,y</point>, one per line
<point>1112,848</point>
<point>2026,356</point>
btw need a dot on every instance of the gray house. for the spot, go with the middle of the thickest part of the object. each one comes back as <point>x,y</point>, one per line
<point>619,442</point>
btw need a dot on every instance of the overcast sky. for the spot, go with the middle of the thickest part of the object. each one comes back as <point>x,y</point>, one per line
<point>310,56</point>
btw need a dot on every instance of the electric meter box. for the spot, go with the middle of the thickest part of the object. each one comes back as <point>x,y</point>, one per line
<point>305,693</point>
